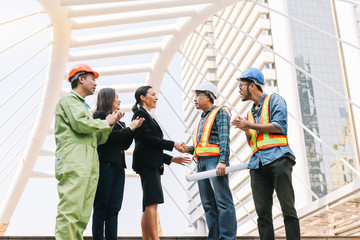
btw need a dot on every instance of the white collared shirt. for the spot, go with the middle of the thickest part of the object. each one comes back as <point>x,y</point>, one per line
<point>150,113</point>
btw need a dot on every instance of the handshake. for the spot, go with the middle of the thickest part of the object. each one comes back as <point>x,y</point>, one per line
<point>181,147</point>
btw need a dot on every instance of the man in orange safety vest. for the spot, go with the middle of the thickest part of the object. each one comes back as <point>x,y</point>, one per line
<point>271,163</point>
<point>211,151</point>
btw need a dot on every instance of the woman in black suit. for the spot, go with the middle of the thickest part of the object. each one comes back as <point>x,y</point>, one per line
<point>110,189</point>
<point>148,159</point>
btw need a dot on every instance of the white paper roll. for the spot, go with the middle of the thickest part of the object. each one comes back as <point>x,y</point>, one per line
<point>212,173</point>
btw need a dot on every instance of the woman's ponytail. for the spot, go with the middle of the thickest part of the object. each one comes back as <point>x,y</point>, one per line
<point>135,108</point>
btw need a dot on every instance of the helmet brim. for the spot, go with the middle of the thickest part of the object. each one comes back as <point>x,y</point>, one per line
<point>252,79</point>
<point>96,75</point>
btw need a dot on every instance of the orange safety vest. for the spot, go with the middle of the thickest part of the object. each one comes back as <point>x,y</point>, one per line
<point>203,147</point>
<point>264,139</point>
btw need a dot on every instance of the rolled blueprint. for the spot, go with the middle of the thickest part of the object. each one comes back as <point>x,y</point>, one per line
<point>212,173</point>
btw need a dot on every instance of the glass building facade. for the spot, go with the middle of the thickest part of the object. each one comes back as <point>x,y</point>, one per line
<point>324,113</point>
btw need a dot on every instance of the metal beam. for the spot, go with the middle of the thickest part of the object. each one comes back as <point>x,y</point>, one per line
<point>131,6</point>
<point>125,35</point>
<point>115,52</point>
<point>127,18</point>
<point>86,2</point>
<point>124,69</point>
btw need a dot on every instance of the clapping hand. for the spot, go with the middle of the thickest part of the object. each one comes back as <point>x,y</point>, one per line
<point>114,117</point>
<point>136,123</point>
<point>119,115</point>
<point>241,123</point>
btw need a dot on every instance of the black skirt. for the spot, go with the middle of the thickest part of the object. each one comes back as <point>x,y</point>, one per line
<point>151,185</point>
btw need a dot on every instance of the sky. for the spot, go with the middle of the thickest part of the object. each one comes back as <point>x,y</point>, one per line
<point>36,211</point>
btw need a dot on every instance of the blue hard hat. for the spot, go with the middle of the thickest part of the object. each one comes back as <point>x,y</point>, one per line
<point>253,74</point>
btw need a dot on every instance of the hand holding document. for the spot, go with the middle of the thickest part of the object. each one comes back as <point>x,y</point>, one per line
<point>212,173</point>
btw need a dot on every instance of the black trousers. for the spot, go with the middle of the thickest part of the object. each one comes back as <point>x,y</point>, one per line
<point>264,180</point>
<point>108,200</point>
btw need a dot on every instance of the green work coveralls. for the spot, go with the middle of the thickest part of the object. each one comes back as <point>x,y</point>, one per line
<point>77,135</point>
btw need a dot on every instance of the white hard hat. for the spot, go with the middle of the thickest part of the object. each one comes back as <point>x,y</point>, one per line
<point>209,88</point>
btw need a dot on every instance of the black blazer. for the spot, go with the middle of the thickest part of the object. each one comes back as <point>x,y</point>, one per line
<point>149,143</point>
<point>119,140</point>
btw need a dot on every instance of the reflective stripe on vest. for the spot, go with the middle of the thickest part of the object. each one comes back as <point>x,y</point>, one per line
<point>264,139</point>
<point>203,147</point>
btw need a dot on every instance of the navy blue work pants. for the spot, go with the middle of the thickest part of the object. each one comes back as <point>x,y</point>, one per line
<point>216,198</point>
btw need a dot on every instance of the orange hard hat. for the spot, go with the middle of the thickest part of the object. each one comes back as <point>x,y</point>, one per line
<point>79,68</point>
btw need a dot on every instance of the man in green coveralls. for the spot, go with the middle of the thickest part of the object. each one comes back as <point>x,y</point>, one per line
<point>77,135</point>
